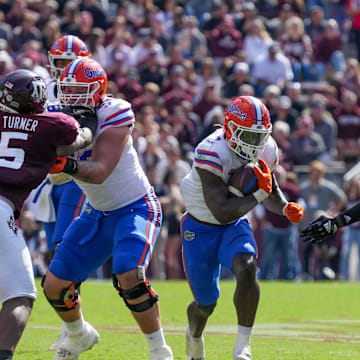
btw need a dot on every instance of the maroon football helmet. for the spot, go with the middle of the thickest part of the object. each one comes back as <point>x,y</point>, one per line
<point>22,91</point>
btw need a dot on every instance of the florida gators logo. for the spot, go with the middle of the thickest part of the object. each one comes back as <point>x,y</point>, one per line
<point>93,73</point>
<point>189,235</point>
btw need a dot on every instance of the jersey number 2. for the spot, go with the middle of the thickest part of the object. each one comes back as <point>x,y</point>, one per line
<point>17,154</point>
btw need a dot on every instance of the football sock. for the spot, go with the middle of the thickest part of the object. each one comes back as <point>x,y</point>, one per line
<point>244,333</point>
<point>6,355</point>
<point>196,339</point>
<point>156,339</point>
<point>75,327</point>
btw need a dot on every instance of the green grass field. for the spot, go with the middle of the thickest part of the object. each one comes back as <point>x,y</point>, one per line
<point>295,321</point>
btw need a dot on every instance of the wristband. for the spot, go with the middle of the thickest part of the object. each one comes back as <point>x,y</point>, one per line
<point>260,195</point>
<point>284,208</point>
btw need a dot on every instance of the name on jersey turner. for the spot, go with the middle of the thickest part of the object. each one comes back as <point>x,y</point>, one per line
<point>19,122</point>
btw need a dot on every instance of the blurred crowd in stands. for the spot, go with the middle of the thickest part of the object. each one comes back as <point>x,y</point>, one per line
<point>179,62</point>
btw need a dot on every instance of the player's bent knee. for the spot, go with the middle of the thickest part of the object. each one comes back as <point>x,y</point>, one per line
<point>206,310</point>
<point>68,298</point>
<point>244,267</point>
<point>19,305</point>
<point>136,292</point>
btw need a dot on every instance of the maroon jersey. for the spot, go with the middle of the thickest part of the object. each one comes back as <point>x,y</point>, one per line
<point>28,150</point>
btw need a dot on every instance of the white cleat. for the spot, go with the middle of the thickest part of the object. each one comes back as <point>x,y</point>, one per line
<point>242,351</point>
<point>73,346</point>
<point>55,346</point>
<point>161,353</point>
<point>195,349</point>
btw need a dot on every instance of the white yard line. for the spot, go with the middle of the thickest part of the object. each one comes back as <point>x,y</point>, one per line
<point>328,331</point>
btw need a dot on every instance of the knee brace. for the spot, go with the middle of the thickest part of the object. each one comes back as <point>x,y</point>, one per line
<point>135,292</point>
<point>68,298</point>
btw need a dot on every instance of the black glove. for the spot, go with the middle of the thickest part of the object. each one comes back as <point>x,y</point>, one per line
<point>85,116</point>
<point>64,164</point>
<point>319,230</point>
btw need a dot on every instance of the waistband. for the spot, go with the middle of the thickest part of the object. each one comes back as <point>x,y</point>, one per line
<point>150,193</point>
<point>202,222</point>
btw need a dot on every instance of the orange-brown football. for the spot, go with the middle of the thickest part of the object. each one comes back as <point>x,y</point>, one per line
<point>243,181</point>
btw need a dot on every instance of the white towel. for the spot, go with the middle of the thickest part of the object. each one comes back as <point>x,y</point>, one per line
<point>46,209</point>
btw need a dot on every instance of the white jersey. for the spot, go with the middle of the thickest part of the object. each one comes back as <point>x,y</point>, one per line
<point>213,154</point>
<point>128,182</point>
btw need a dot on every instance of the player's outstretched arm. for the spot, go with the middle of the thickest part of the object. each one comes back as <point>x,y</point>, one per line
<point>276,201</point>
<point>106,154</point>
<point>224,208</point>
<point>323,227</point>
<point>83,139</point>
<point>278,204</point>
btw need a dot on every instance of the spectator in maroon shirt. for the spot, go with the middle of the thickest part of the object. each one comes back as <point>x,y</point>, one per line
<point>178,72</point>
<point>177,94</point>
<point>328,50</point>
<point>150,93</point>
<point>296,45</point>
<point>348,120</point>
<point>176,58</point>
<point>15,16</point>
<point>218,12</point>
<point>118,26</point>
<point>225,40</point>
<point>129,85</point>
<point>208,101</point>
<point>183,129</point>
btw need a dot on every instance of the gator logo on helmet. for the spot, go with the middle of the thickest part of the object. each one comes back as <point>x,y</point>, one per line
<point>234,109</point>
<point>93,73</point>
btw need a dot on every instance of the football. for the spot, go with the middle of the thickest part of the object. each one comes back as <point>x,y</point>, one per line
<point>243,180</point>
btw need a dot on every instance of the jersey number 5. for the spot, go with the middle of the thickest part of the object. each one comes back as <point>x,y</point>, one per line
<point>17,154</point>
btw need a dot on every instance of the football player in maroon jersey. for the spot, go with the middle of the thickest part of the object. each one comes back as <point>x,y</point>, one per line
<point>30,142</point>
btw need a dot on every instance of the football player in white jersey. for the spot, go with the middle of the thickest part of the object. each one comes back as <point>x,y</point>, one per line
<point>59,199</point>
<point>215,230</point>
<point>122,218</point>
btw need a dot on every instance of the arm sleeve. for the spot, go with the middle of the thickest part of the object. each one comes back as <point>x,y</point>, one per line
<point>349,216</point>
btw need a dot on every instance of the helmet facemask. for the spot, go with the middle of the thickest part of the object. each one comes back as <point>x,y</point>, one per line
<point>77,93</point>
<point>247,143</point>
<point>55,70</point>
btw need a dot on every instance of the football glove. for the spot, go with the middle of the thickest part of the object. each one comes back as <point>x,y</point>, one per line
<point>65,165</point>
<point>264,179</point>
<point>85,116</point>
<point>294,212</point>
<point>319,230</point>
